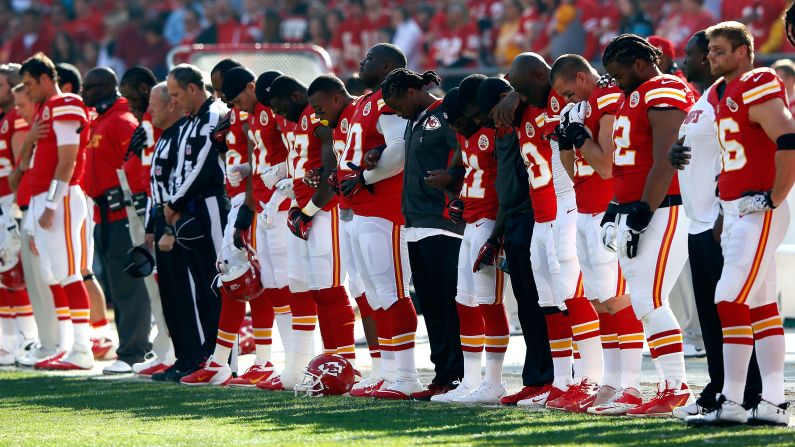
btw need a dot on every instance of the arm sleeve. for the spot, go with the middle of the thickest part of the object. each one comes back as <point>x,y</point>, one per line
<point>392,159</point>
<point>66,132</point>
<point>204,161</point>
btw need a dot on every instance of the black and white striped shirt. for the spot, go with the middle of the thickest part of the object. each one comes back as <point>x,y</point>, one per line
<point>199,169</point>
<point>161,178</point>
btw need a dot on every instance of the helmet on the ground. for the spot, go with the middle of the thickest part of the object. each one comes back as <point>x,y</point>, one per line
<point>326,375</point>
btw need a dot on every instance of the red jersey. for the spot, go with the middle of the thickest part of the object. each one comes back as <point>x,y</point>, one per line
<point>593,192</point>
<point>748,153</point>
<point>363,135</point>
<point>346,45</point>
<point>138,169</point>
<point>237,144</point>
<point>269,150</point>
<point>60,108</point>
<point>110,136</point>
<point>9,125</point>
<point>341,138</point>
<point>453,44</point>
<point>305,154</point>
<point>537,155</point>
<point>478,191</point>
<point>633,158</point>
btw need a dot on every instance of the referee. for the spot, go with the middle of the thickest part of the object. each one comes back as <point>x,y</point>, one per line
<point>198,207</point>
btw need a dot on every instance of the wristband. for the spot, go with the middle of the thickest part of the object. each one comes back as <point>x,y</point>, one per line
<point>310,209</point>
<point>56,193</point>
<point>786,142</point>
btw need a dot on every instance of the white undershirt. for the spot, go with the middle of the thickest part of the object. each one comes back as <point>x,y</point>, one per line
<point>698,180</point>
<point>66,133</point>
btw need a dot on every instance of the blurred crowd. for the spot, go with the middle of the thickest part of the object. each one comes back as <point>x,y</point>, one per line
<point>434,34</point>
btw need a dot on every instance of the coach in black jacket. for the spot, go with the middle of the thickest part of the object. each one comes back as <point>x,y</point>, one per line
<point>199,196</point>
<point>433,239</point>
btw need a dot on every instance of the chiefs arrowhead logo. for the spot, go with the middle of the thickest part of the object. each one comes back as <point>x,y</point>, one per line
<point>529,130</point>
<point>367,108</point>
<point>483,142</point>
<point>232,118</point>
<point>263,118</point>
<point>344,125</point>
<point>732,105</point>
<point>5,127</point>
<point>331,368</point>
<point>45,114</point>
<point>304,122</point>
<point>634,99</point>
<point>554,104</point>
<point>432,123</point>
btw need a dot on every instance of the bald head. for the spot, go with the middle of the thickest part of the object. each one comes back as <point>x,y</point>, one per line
<point>101,75</point>
<point>161,107</point>
<point>380,60</point>
<point>99,85</point>
<point>529,76</point>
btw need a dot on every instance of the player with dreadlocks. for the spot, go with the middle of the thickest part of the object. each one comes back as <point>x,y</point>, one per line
<point>647,203</point>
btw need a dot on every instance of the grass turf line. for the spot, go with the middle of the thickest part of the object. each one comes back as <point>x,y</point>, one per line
<point>36,409</point>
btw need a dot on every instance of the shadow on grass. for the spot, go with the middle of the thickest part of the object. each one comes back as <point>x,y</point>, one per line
<point>363,418</point>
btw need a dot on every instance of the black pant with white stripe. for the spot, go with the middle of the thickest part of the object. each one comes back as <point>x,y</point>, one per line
<point>177,296</point>
<point>211,212</point>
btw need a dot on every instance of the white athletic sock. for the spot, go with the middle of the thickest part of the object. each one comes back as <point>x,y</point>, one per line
<point>8,340</point>
<point>27,327</point>
<point>221,354</point>
<point>665,338</point>
<point>404,363</point>
<point>472,365</point>
<point>387,365</point>
<point>494,361</point>
<point>82,337</point>
<point>66,335</point>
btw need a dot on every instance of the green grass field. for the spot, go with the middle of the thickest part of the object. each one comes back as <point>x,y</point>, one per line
<point>36,410</point>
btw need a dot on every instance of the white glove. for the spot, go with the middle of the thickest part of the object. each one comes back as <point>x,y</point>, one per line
<point>266,216</point>
<point>236,173</point>
<point>755,202</point>
<point>285,186</point>
<point>566,109</point>
<point>272,175</point>
<point>576,114</point>
<point>609,236</point>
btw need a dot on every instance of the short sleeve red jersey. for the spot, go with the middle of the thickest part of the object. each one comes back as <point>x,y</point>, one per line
<point>748,154</point>
<point>237,144</point>
<point>453,44</point>
<point>478,191</point>
<point>61,108</point>
<point>593,192</point>
<point>138,169</point>
<point>305,154</point>
<point>537,155</point>
<point>9,125</point>
<point>364,135</point>
<point>632,134</point>
<point>269,149</point>
<point>341,138</point>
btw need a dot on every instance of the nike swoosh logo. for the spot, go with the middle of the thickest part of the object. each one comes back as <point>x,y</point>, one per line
<point>203,378</point>
<point>756,78</point>
<point>570,211</point>
<point>254,381</point>
<point>477,225</point>
<point>595,214</point>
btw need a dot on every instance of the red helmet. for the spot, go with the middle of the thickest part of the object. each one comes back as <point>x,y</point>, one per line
<point>239,273</point>
<point>13,279</point>
<point>326,375</point>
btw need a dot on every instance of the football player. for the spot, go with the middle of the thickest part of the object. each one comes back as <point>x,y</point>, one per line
<point>16,313</point>
<point>58,206</point>
<point>588,126</point>
<point>380,250</point>
<point>314,249</point>
<point>757,136</point>
<point>479,301</point>
<point>645,218</point>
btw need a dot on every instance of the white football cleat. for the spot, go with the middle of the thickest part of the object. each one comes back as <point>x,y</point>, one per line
<point>74,360</point>
<point>7,358</point>
<point>726,413</point>
<point>768,414</point>
<point>459,391</point>
<point>150,359</point>
<point>686,411</point>
<point>35,355</point>
<point>485,393</point>
<point>117,367</point>
<point>213,373</point>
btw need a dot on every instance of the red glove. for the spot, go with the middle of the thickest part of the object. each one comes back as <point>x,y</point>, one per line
<point>333,182</point>
<point>487,255</point>
<point>299,223</point>
<point>456,210</point>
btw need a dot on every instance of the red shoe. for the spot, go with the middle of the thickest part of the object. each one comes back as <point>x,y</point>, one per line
<point>73,361</point>
<point>663,404</point>
<point>432,390</point>
<point>576,399</point>
<point>624,401</point>
<point>154,369</point>
<point>211,374</point>
<point>253,376</point>
<point>539,400</point>
<point>272,384</point>
<point>365,388</point>
<point>45,364</point>
<point>101,347</point>
<point>524,393</point>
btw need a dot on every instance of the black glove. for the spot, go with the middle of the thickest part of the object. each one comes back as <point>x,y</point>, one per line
<point>564,143</point>
<point>576,134</point>
<point>218,136</point>
<point>608,225</point>
<point>354,182</point>
<point>487,255</point>
<point>679,155</point>
<point>638,220</point>
<point>137,143</point>
<point>456,210</point>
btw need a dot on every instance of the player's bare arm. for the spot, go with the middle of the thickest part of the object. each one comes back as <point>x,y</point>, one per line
<point>328,157</point>
<point>599,153</point>
<point>665,128</point>
<point>778,124</point>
